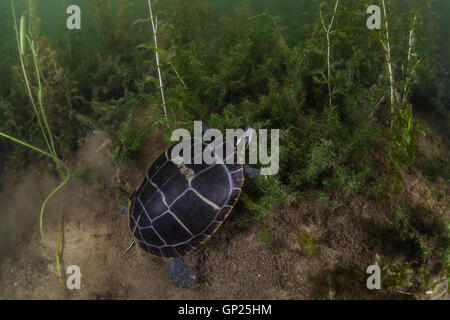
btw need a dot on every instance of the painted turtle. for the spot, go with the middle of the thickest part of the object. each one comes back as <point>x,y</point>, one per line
<point>179,206</point>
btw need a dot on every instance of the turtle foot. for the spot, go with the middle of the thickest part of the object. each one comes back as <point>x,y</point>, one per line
<point>124,209</point>
<point>181,274</point>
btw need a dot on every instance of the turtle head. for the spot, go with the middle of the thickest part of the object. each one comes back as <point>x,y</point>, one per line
<point>247,137</point>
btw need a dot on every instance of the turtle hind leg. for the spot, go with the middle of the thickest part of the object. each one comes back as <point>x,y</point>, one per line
<point>181,274</point>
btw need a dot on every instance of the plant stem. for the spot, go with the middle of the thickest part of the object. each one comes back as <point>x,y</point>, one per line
<point>155,29</point>
<point>57,253</point>
<point>410,49</point>
<point>66,179</point>
<point>411,38</point>
<point>178,75</point>
<point>26,144</point>
<point>41,104</point>
<point>328,32</point>
<point>387,48</point>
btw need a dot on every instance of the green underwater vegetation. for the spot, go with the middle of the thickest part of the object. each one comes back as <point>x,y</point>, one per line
<point>347,101</point>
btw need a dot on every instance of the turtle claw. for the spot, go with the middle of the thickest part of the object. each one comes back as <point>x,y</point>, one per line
<point>124,209</point>
<point>181,274</point>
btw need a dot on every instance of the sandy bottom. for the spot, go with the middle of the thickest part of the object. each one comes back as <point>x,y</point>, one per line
<point>234,264</point>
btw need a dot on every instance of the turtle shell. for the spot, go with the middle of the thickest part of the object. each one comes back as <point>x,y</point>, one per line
<point>177,207</point>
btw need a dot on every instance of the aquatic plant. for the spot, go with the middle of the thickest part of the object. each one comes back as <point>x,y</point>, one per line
<point>24,41</point>
<point>404,137</point>
<point>307,241</point>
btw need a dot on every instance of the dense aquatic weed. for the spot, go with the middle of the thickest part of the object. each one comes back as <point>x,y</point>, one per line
<point>22,39</point>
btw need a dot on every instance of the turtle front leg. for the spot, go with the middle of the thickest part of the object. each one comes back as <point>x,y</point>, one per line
<point>181,274</point>
<point>251,173</point>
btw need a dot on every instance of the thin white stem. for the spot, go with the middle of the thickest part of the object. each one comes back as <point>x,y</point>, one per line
<point>411,38</point>
<point>334,14</point>
<point>410,49</point>
<point>328,32</point>
<point>178,75</point>
<point>155,29</point>
<point>329,67</point>
<point>387,47</point>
